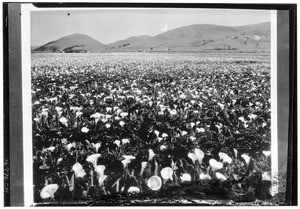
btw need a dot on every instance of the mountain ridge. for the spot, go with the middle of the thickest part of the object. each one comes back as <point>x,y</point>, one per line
<point>196,37</point>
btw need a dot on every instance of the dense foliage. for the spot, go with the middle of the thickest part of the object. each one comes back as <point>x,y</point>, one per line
<point>142,122</point>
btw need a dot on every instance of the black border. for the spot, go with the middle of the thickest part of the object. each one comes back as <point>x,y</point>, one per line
<point>5,105</point>
<point>292,172</point>
<point>10,96</point>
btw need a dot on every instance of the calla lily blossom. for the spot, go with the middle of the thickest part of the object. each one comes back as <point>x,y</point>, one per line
<point>78,170</point>
<point>167,173</point>
<point>93,159</point>
<point>154,183</point>
<point>215,165</point>
<point>48,191</point>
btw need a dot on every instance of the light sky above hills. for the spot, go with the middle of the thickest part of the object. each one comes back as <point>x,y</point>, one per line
<point>110,25</point>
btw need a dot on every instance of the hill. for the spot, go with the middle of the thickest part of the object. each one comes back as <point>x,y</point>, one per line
<point>208,37</point>
<point>127,42</point>
<point>196,37</point>
<point>72,43</point>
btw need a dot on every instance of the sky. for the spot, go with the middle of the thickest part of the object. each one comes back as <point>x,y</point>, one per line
<point>110,25</point>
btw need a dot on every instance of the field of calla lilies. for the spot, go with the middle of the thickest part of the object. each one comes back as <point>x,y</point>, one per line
<point>146,126</point>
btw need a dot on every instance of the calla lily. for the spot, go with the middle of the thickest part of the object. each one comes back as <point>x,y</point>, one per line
<point>199,154</point>
<point>183,133</point>
<point>123,114</point>
<point>162,147</point>
<point>78,114</point>
<point>107,125</point>
<point>127,160</point>
<point>51,149</point>
<point>173,112</point>
<point>267,153</point>
<point>225,158</point>
<point>235,152</point>
<point>246,158</point>
<point>93,159</point>
<point>220,176</point>
<point>122,123</point>
<point>242,119</point>
<point>266,176</point>
<point>167,173</point>
<point>100,171</point>
<point>58,109</point>
<point>144,164</point>
<point>84,130</point>
<point>164,135</point>
<point>108,109</point>
<point>204,176</point>
<point>154,183</point>
<point>192,138</point>
<point>48,191</point>
<point>156,133</point>
<point>96,146</point>
<point>134,190</point>
<point>215,165</point>
<point>193,157</point>
<point>186,177</point>
<point>96,116</point>
<point>124,141</point>
<point>59,160</point>
<point>200,130</point>
<point>78,170</point>
<point>64,121</point>
<point>69,146</point>
<point>151,154</point>
<point>252,116</point>
<point>192,124</point>
<point>221,105</point>
<point>117,142</point>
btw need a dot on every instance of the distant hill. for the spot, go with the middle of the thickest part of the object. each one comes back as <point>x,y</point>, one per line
<point>208,37</point>
<point>196,37</point>
<point>75,42</point>
<point>127,42</point>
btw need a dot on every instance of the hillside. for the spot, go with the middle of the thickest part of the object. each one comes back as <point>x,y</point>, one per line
<point>208,37</point>
<point>126,42</point>
<point>196,37</point>
<point>75,42</point>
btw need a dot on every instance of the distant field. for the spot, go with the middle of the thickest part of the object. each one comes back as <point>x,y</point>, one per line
<point>116,122</point>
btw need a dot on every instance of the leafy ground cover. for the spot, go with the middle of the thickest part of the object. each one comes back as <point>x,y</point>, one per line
<point>146,126</point>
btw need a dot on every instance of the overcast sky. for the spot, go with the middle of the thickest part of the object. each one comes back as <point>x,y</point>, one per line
<point>110,25</point>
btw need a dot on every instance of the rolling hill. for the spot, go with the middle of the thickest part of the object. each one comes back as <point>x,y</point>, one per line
<point>72,43</point>
<point>208,37</point>
<point>196,37</point>
<point>126,42</point>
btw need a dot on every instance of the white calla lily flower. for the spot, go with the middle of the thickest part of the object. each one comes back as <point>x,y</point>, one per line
<point>78,170</point>
<point>84,130</point>
<point>220,176</point>
<point>167,173</point>
<point>246,158</point>
<point>225,158</point>
<point>204,176</point>
<point>200,155</point>
<point>151,154</point>
<point>267,153</point>
<point>93,159</point>
<point>154,183</point>
<point>215,165</point>
<point>133,190</point>
<point>186,177</point>
<point>48,191</point>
